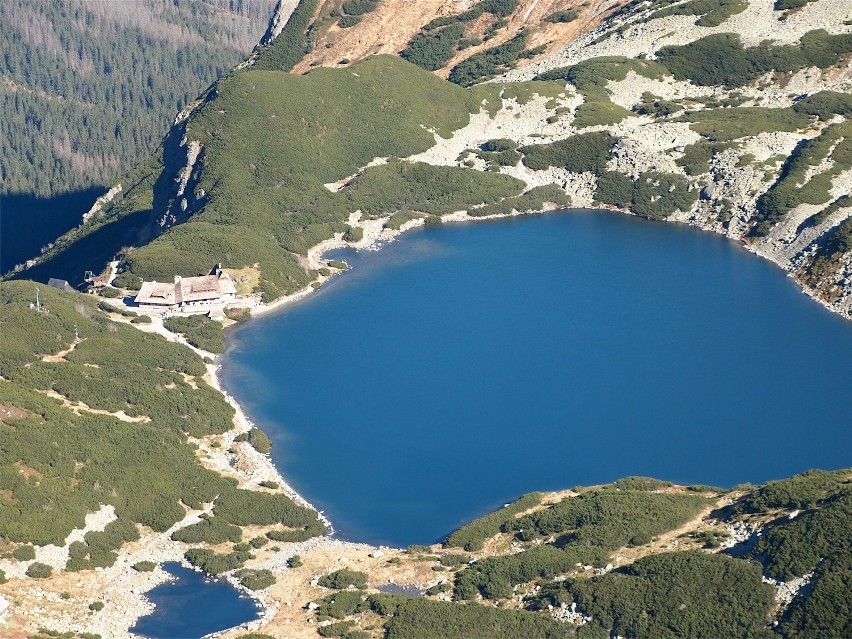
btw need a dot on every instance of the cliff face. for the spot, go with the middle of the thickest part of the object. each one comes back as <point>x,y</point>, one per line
<point>731,116</point>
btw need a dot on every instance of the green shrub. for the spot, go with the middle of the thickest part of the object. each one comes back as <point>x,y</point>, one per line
<point>721,59</point>
<point>295,561</point>
<point>486,64</point>
<point>657,108</point>
<point>405,186</point>
<point>690,594</point>
<point>342,604</point>
<point>24,553</point>
<point>652,195</point>
<point>128,281</point>
<point>792,188</point>
<point>533,200</point>
<point>805,490</point>
<point>723,125</point>
<point>401,217</point>
<point>587,527</point>
<point>354,234</point>
<point>579,153</point>
<point>144,566</point>
<point>473,535</point>
<point>39,570</point>
<point>291,44</point>
<point>212,530</point>
<point>784,5</point>
<point>641,483</point>
<point>563,16</point>
<point>110,292</point>
<point>269,484</point>
<point>259,441</point>
<point>452,560</point>
<point>258,542</point>
<point>345,22</point>
<point>116,367</point>
<point>696,157</point>
<point>300,534</point>
<point>141,319</point>
<point>712,12</point>
<point>238,315</point>
<point>825,104</point>
<point>96,606</point>
<point>199,331</point>
<point>340,629</point>
<point>419,618</point>
<point>338,265</point>
<point>359,7</point>
<point>432,50</point>
<point>343,578</point>
<point>247,508</point>
<point>211,562</point>
<point>255,579</point>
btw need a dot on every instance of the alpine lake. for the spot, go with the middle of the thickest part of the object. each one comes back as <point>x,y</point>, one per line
<point>463,365</point>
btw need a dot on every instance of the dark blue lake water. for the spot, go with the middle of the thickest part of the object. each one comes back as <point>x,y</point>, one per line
<point>464,365</point>
<point>192,606</point>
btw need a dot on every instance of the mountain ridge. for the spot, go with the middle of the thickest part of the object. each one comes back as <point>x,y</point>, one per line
<point>639,106</point>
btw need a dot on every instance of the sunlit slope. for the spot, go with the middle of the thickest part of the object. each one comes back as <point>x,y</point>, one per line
<point>271,140</point>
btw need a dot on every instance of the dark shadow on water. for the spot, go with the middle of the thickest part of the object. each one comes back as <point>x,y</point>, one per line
<point>29,222</point>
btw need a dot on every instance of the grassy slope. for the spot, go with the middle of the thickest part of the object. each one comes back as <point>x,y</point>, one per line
<point>58,465</point>
<point>271,140</point>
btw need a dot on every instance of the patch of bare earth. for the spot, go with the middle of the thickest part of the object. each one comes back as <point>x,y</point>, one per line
<point>10,412</point>
<point>389,28</point>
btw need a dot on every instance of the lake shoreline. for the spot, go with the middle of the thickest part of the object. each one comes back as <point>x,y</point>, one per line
<point>126,598</point>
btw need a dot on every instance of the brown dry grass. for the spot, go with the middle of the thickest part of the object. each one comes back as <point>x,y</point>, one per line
<point>388,29</point>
